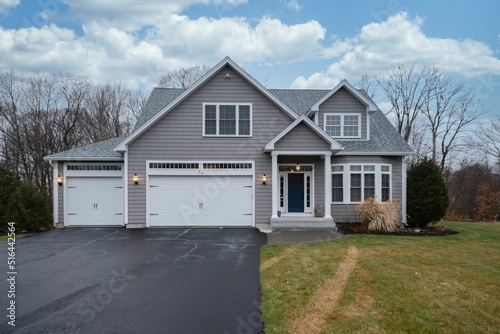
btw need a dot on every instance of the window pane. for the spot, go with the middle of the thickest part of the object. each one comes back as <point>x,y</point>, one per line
<point>369,190</point>
<point>370,168</point>
<point>210,127</point>
<point>333,131</point>
<point>332,120</point>
<point>338,188</point>
<point>244,127</point>
<point>351,131</point>
<point>385,168</point>
<point>227,112</point>
<point>210,120</point>
<point>210,112</point>
<point>351,120</point>
<point>244,112</point>
<point>227,120</point>
<point>355,187</point>
<point>355,168</point>
<point>337,168</point>
<point>386,187</point>
<point>227,127</point>
<point>332,125</point>
<point>351,126</point>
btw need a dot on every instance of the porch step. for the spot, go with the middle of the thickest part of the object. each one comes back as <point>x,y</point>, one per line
<point>303,224</point>
<point>136,225</point>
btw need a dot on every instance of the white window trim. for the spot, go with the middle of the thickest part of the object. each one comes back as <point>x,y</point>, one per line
<point>378,181</point>
<point>342,116</point>
<point>237,104</point>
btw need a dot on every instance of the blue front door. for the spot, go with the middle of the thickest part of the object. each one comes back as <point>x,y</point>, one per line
<point>295,192</point>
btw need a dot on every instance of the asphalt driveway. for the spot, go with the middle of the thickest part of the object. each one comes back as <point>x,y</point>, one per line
<point>114,280</point>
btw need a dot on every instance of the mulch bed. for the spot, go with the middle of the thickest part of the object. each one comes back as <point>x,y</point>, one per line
<point>357,228</point>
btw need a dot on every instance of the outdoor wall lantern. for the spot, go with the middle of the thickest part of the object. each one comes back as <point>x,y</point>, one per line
<point>264,179</point>
<point>135,178</point>
<point>59,180</point>
<point>297,167</point>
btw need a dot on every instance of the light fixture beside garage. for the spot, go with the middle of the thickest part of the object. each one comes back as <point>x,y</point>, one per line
<point>59,180</point>
<point>135,178</point>
<point>297,167</point>
<point>264,179</point>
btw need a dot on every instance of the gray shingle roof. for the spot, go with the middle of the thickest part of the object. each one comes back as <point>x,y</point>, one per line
<point>159,98</point>
<point>299,100</point>
<point>101,150</point>
<point>383,136</point>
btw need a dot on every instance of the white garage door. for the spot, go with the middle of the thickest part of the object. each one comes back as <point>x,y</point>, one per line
<point>200,201</point>
<point>94,201</point>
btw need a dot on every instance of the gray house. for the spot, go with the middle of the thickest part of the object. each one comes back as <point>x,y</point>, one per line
<point>229,152</point>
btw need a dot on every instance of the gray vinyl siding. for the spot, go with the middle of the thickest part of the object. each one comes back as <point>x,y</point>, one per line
<point>60,194</point>
<point>343,102</point>
<point>301,138</point>
<point>347,212</point>
<point>179,136</point>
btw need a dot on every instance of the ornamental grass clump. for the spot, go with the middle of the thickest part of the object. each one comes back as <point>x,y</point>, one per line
<point>378,217</point>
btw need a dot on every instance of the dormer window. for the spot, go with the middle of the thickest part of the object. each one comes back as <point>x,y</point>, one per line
<point>343,125</point>
<point>227,119</point>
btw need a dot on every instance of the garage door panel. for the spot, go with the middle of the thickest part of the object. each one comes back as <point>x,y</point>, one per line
<point>94,201</point>
<point>200,201</point>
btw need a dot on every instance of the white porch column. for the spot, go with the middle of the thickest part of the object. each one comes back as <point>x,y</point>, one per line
<point>328,185</point>
<point>274,184</point>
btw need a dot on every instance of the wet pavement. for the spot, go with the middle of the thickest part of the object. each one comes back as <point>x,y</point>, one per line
<point>114,280</point>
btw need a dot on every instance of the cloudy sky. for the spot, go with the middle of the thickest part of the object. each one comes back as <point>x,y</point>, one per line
<point>282,43</point>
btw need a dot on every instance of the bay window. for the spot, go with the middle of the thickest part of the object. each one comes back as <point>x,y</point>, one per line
<point>354,183</point>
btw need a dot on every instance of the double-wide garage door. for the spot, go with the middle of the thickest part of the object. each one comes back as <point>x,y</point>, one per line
<point>186,200</point>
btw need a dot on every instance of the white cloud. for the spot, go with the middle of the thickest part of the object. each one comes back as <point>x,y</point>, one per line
<point>400,39</point>
<point>269,41</point>
<point>293,5</point>
<point>110,54</point>
<point>6,5</point>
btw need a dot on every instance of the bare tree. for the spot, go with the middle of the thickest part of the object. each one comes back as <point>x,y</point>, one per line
<point>366,83</point>
<point>407,87</point>
<point>184,77</point>
<point>487,138</point>
<point>449,109</point>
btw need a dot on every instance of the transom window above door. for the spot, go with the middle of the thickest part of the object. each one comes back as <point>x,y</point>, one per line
<point>343,125</point>
<point>226,119</point>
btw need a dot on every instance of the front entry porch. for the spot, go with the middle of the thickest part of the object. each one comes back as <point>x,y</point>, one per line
<point>302,187</point>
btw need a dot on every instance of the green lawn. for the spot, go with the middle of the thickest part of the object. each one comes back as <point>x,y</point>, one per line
<point>398,285</point>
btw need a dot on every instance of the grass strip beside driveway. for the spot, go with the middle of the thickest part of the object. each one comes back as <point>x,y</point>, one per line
<point>399,284</point>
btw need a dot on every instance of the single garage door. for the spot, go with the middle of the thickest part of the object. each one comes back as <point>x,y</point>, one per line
<point>94,201</point>
<point>200,200</point>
